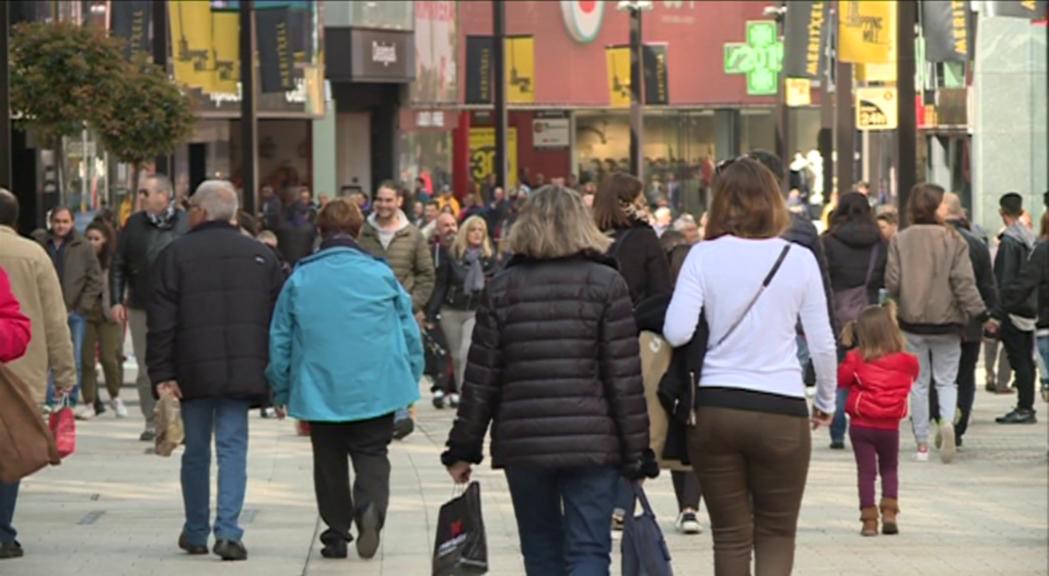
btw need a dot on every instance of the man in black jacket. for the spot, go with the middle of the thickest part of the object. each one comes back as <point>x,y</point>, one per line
<point>208,344</point>
<point>972,339</point>
<point>1018,322</point>
<point>1034,279</point>
<point>145,235</point>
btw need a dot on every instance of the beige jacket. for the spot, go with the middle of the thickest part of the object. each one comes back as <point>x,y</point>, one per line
<point>656,354</point>
<point>930,276</point>
<point>35,284</point>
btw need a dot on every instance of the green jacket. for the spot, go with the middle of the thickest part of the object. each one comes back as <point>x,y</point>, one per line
<point>81,273</point>
<point>408,255</point>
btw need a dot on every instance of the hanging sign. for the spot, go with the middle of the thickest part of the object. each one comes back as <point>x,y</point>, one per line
<point>760,58</point>
<point>876,108</point>
<point>866,31</point>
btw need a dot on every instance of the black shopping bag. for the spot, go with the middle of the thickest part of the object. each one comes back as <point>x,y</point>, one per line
<point>461,548</point>
<point>645,551</point>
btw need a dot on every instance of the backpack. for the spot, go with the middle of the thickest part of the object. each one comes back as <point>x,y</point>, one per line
<point>850,302</point>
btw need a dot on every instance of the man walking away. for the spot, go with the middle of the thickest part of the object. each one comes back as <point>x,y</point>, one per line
<point>36,287</point>
<point>81,278</point>
<point>1018,323</point>
<point>215,363</point>
<point>146,234</point>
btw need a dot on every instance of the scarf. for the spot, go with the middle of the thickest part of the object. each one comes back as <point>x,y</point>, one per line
<point>474,282</point>
<point>162,220</point>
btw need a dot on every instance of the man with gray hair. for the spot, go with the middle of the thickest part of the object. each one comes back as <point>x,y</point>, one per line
<point>214,291</point>
<point>146,234</point>
<point>686,224</point>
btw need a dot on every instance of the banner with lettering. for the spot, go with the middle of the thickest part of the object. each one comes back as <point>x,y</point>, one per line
<point>225,34</point>
<point>806,33</point>
<point>617,59</point>
<point>276,58</point>
<point>191,50</point>
<point>866,31</point>
<point>131,20</point>
<point>657,77</point>
<point>519,64</point>
<point>945,24</point>
<point>482,154</point>
<point>479,69</point>
<point>1030,9</point>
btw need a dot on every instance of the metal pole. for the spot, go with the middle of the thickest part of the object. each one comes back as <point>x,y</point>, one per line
<point>160,58</point>
<point>783,111</point>
<point>249,143</point>
<point>845,128</point>
<point>906,135</point>
<point>499,91</point>
<point>637,96</point>
<point>5,101</point>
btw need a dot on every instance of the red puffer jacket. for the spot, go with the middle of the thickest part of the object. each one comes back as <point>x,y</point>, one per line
<point>878,389</point>
<point>14,326</point>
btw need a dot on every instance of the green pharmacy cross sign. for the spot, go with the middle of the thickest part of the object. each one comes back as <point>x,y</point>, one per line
<point>760,58</point>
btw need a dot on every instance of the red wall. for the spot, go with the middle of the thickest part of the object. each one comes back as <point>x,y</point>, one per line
<point>549,163</point>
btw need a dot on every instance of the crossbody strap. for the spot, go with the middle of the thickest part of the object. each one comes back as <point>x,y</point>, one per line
<point>754,300</point>
<point>870,265</point>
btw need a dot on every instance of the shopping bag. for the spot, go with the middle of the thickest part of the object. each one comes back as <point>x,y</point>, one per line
<point>461,548</point>
<point>170,433</point>
<point>62,423</point>
<point>25,443</point>
<point>644,550</point>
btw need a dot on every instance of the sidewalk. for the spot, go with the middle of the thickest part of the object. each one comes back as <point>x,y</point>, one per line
<point>112,509</point>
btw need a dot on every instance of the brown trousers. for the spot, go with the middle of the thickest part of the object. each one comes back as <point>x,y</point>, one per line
<point>107,339</point>
<point>752,466</point>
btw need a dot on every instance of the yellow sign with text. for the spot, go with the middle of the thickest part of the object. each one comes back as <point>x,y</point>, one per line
<point>799,92</point>
<point>191,48</point>
<point>876,109</point>
<point>618,60</point>
<point>225,31</point>
<point>482,154</point>
<point>866,31</point>
<point>519,59</point>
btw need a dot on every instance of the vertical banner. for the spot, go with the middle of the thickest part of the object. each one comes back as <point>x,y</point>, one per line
<point>479,69</point>
<point>276,58</point>
<point>657,77</point>
<point>225,33</point>
<point>436,53</point>
<point>482,154</point>
<point>866,31</point>
<point>945,24</point>
<point>131,20</point>
<point>1030,9</point>
<point>805,37</point>
<point>301,20</point>
<point>618,60</point>
<point>519,63</point>
<point>191,43</point>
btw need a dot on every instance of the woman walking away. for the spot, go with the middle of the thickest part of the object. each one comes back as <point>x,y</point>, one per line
<point>462,273</point>
<point>930,275</point>
<point>856,256</point>
<point>751,445</point>
<point>103,335</point>
<point>554,368</point>
<point>877,377</point>
<point>344,356</point>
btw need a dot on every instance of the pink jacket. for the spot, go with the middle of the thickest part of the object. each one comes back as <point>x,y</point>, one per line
<point>15,330</point>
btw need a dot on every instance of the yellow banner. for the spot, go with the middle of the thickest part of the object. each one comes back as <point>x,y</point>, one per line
<point>866,31</point>
<point>191,43</point>
<point>482,154</point>
<point>618,60</point>
<point>519,59</point>
<point>225,33</point>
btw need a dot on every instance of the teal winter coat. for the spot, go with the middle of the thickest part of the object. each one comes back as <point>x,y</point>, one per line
<point>344,344</point>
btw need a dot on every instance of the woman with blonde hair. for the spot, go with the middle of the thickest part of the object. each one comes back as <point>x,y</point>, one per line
<point>462,273</point>
<point>554,369</point>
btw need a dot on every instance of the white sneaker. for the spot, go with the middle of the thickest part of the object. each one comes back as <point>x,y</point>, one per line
<point>948,446</point>
<point>453,400</point>
<point>84,412</point>
<point>687,523</point>
<point>922,455</point>
<point>118,408</point>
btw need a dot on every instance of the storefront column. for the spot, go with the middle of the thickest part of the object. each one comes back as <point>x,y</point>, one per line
<point>726,134</point>
<point>324,166</point>
<point>461,155</point>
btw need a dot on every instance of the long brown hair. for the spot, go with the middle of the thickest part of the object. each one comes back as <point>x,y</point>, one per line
<point>924,203</point>
<point>105,256</point>
<point>617,190</point>
<point>875,332</point>
<point>747,203</point>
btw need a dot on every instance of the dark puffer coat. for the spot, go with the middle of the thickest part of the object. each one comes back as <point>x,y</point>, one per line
<point>209,317</point>
<point>849,249</point>
<point>554,366</point>
<point>641,261</point>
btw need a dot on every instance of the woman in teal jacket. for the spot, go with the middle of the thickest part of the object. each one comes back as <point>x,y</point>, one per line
<point>345,353</point>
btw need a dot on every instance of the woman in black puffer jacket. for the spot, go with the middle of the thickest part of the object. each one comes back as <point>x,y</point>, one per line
<point>554,367</point>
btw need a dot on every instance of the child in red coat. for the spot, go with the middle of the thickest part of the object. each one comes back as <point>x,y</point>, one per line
<point>878,374</point>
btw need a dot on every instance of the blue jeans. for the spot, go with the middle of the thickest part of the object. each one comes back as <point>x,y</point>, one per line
<point>229,420</point>
<point>77,326</point>
<point>1043,351</point>
<point>8,497</point>
<point>563,519</point>
<point>837,426</point>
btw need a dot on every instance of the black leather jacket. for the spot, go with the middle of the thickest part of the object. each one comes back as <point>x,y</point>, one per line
<point>138,246</point>
<point>448,288</point>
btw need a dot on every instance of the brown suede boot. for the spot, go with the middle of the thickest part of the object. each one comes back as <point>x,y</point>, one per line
<point>869,516</point>
<point>889,509</point>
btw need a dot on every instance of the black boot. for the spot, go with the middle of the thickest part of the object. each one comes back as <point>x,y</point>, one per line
<point>335,544</point>
<point>230,550</point>
<point>11,549</point>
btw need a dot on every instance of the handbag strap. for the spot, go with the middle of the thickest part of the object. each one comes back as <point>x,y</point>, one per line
<point>870,264</point>
<point>754,300</point>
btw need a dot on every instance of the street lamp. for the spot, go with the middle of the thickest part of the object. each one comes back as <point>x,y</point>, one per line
<point>637,119</point>
<point>779,14</point>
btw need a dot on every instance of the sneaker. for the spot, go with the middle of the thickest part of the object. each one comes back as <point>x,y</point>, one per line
<point>10,550</point>
<point>687,523</point>
<point>335,544</point>
<point>191,549</point>
<point>368,533</point>
<point>402,428</point>
<point>118,408</point>
<point>84,412</point>
<point>267,413</point>
<point>946,445</point>
<point>438,399</point>
<point>922,455</point>
<point>148,435</point>
<point>230,550</point>
<point>100,408</point>
<point>1018,416</point>
<point>837,444</point>
<point>453,400</point>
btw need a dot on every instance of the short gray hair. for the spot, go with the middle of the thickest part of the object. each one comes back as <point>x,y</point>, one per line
<point>217,198</point>
<point>163,184</point>
<point>684,221</point>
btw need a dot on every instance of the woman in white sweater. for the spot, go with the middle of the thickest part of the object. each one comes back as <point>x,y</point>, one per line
<point>751,444</point>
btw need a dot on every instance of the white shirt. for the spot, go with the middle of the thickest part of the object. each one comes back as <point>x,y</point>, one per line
<point>721,277</point>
